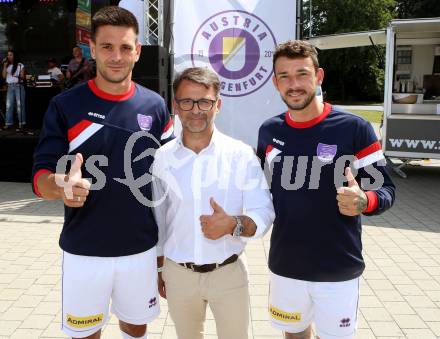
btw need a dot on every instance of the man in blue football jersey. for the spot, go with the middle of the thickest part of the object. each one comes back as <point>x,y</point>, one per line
<point>109,237</point>
<point>310,151</point>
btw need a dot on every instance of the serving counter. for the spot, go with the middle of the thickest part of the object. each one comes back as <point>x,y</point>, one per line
<point>428,107</point>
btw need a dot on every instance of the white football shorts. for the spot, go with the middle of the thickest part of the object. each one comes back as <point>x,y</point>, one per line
<point>89,283</point>
<point>331,306</point>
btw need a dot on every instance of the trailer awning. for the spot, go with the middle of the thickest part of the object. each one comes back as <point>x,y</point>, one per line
<point>426,25</point>
<point>417,31</point>
<point>409,31</point>
<point>345,40</point>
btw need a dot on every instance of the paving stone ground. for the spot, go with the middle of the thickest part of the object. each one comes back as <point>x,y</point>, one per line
<point>400,289</point>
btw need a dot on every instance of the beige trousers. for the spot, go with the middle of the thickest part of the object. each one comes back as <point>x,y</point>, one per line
<point>224,289</point>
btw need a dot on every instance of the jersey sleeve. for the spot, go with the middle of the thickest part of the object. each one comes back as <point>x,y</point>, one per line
<point>53,144</point>
<point>368,149</point>
<point>167,126</point>
<point>372,173</point>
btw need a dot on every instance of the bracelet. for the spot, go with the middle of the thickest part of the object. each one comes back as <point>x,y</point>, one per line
<point>159,269</point>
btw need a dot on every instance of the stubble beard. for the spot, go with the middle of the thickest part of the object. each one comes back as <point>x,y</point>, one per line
<point>114,80</point>
<point>301,105</point>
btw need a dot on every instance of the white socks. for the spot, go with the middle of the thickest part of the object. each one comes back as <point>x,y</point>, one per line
<point>126,336</point>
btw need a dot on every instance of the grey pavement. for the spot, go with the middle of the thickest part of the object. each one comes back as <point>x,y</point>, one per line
<point>400,289</point>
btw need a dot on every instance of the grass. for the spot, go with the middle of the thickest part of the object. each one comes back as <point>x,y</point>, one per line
<point>371,116</point>
<point>357,103</point>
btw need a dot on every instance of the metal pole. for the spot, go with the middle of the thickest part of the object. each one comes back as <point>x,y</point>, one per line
<point>299,21</point>
<point>146,22</point>
<point>160,23</point>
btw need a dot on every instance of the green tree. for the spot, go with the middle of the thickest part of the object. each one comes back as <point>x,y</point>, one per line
<point>406,9</point>
<point>351,73</point>
<point>37,30</point>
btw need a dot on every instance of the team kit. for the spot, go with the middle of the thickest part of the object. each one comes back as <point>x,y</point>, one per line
<point>151,214</point>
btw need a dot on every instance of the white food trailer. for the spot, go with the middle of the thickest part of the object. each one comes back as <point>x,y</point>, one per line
<point>411,124</point>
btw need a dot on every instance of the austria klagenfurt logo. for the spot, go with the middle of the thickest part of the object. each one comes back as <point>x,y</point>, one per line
<point>238,46</point>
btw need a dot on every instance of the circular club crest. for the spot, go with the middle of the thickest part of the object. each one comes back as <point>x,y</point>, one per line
<point>238,46</point>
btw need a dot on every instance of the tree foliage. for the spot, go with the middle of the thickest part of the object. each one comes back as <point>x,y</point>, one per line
<point>37,31</point>
<point>351,74</point>
<point>406,9</point>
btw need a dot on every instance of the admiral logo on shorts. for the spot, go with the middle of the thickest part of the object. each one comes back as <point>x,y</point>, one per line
<point>83,322</point>
<point>287,317</point>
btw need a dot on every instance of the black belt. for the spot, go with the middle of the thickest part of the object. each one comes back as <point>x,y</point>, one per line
<point>208,267</point>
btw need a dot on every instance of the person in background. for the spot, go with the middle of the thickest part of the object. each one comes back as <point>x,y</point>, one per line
<point>78,70</point>
<point>55,72</point>
<point>14,72</point>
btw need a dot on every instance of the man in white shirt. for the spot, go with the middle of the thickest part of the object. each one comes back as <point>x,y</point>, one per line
<point>211,197</point>
<point>55,73</point>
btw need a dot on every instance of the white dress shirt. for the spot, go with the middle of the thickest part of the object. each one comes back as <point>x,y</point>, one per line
<point>226,170</point>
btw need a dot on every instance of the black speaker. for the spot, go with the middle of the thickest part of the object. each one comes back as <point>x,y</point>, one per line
<point>153,62</point>
<point>152,70</point>
<point>158,85</point>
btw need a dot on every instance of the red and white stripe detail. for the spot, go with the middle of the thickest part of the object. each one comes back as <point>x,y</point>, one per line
<point>81,132</point>
<point>271,153</point>
<point>369,155</point>
<point>168,130</point>
<point>35,180</point>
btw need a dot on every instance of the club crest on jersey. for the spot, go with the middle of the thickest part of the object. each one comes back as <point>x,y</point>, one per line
<point>325,152</point>
<point>145,122</point>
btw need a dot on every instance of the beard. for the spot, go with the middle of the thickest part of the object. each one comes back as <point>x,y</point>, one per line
<point>300,105</point>
<point>197,129</point>
<point>115,79</point>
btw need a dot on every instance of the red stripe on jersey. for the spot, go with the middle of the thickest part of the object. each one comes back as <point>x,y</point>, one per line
<point>306,124</point>
<point>369,150</point>
<point>76,130</point>
<point>112,97</point>
<point>35,180</point>
<point>268,149</point>
<point>168,126</point>
<point>373,201</point>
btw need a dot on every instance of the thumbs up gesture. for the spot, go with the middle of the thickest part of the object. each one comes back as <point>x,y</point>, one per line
<point>352,200</point>
<point>218,224</point>
<point>75,189</point>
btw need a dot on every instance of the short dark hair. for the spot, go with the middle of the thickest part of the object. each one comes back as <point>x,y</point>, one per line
<point>293,49</point>
<point>199,75</point>
<point>114,16</point>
